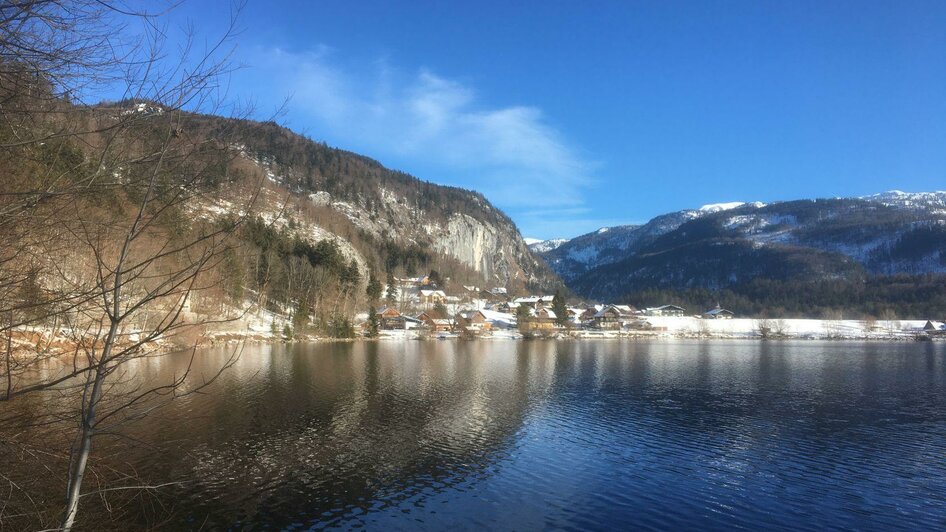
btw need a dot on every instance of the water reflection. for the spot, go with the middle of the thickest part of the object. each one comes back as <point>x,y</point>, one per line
<point>574,435</point>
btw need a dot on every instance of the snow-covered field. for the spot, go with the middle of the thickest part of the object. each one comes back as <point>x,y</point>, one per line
<point>790,328</point>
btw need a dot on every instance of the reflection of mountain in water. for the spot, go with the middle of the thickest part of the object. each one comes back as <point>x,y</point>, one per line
<point>324,432</point>
<point>573,435</point>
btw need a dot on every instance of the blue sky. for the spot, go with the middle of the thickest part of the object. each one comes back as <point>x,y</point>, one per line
<point>576,115</point>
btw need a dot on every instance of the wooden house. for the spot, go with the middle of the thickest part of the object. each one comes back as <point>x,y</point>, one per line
<point>665,310</point>
<point>435,323</point>
<point>432,297</point>
<point>613,317</point>
<point>473,322</point>
<point>390,319</point>
<point>718,313</point>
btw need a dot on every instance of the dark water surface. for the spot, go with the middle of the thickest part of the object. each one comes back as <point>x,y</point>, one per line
<point>583,435</point>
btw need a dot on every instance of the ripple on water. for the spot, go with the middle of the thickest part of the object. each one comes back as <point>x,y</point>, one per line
<point>569,435</point>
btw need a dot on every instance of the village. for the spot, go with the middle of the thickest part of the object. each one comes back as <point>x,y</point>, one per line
<point>418,308</point>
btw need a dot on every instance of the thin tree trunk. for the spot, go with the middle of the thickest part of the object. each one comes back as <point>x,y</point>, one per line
<point>10,357</point>
<point>77,473</point>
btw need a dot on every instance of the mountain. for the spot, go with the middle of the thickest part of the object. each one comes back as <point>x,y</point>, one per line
<point>544,246</point>
<point>571,259</point>
<point>288,227</point>
<point>384,217</point>
<point>729,244</point>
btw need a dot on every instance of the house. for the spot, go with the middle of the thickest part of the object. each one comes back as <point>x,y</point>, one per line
<point>934,328</point>
<point>534,301</point>
<point>665,310</point>
<point>413,281</point>
<point>499,320</point>
<point>542,319</point>
<point>412,323</point>
<point>432,297</point>
<point>588,315</point>
<point>435,322</point>
<point>473,322</point>
<point>574,315</point>
<point>389,318</point>
<point>613,317</point>
<point>718,313</point>
<point>640,324</point>
<point>506,307</point>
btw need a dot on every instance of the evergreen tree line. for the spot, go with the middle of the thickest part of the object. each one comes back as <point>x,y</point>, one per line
<point>904,296</point>
<point>313,282</point>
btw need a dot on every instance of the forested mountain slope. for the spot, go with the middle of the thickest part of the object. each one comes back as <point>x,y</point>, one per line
<point>727,245</point>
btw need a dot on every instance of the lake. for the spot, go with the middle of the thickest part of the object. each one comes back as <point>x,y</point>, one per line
<point>575,435</point>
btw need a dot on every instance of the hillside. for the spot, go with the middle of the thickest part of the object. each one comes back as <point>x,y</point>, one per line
<point>728,245</point>
<point>288,227</point>
<point>391,220</point>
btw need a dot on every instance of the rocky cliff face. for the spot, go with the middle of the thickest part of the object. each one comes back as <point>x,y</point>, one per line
<point>380,215</point>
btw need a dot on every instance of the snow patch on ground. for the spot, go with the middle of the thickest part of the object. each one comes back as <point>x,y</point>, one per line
<point>717,207</point>
<point>544,246</point>
<point>795,328</point>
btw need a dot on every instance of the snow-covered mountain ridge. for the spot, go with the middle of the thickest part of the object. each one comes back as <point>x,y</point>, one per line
<point>543,246</point>
<point>887,233</point>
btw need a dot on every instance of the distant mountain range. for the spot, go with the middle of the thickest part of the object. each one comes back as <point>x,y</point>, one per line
<point>723,245</point>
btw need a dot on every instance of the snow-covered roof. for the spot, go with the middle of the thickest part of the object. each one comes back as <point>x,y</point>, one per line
<point>492,315</point>
<point>622,310</point>
<point>428,293</point>
<point>716,311</point>
<point>533,299</point>
<point>667,307</point>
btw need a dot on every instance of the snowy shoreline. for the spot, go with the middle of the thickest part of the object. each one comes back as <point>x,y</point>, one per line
<point>664,328</point>
<point>723,329</point>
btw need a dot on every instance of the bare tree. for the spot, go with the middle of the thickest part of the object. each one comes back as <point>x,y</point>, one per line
<point>890,320</point>
<point>97,244</point>
<point>832,323</point>
<point>702,328</point>
<point>764,327</point>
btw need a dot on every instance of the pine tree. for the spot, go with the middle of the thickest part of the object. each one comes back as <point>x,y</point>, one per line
<point>559,308</point>
<point>373,325</point>
<point>374,288</point>
<point>392,290</point>
<point>522,317</point>
<point>301,317</point>
<point>435,279</point>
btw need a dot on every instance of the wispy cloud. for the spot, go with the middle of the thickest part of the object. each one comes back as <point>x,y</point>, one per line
<point>512,154</point>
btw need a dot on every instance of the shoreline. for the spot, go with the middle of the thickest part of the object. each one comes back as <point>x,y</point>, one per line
<point>29,339</point>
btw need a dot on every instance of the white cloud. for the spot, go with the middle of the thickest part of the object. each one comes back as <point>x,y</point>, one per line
<point>511,154</point>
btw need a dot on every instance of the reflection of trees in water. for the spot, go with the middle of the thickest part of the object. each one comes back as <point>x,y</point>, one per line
<point>370,426</point>
<point>742,391</point>
<point>324,432</point>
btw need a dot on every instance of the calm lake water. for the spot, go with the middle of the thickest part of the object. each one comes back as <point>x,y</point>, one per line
<point>587,435</point>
